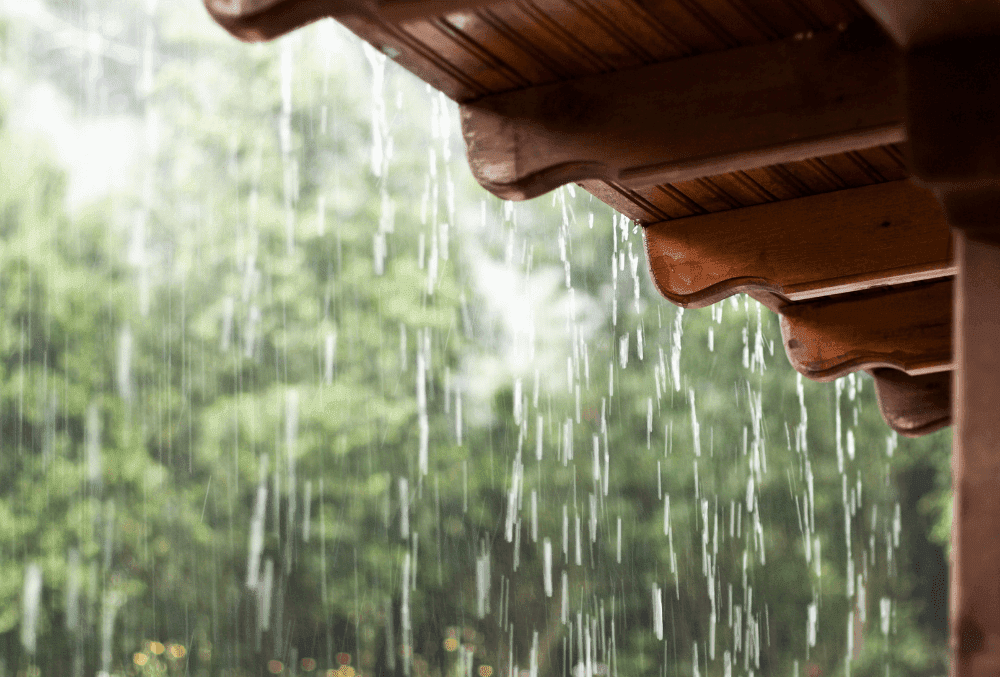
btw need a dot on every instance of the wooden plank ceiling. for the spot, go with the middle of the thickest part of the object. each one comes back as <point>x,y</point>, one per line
<point>759,142</point>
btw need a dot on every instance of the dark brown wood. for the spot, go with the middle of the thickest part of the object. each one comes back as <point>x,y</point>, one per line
<point>706,115</point>
<point>905,328</point>
<point>786,181</point>
<point>975,570</point>
<point>259,20</point>
<point>845,241</point>
<point>913,406</point>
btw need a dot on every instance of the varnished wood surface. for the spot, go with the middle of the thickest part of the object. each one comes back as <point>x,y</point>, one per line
<point>709,115</point>
<point>850,240</point>
<point>913,406</point>
<point>975,578</point>
<point>737,190</point>
<point>905,328</point>
<point>508,45</point>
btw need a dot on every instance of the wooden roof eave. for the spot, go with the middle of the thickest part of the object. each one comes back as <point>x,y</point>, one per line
<point>622,133</point>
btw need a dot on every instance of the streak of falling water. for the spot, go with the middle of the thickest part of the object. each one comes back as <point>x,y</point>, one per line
<point>533,662</point>
<point>228,313</point>
<point>422,412</point>
<point>407,641</point>
<point>307,510</point>
<point>113,601</point>
<point>695,428</point>
<point>329,356</point>
<point>657,612</point>
<point>534,517</point>
<point>93,448</point>
<point>256,537</point>
<point>547,566</point>
<point>482,583</point>
<point>404,508</point>
<point>564,604</point>
<point>265,594</point>
<point>31,599</point>
<point>123,373</point>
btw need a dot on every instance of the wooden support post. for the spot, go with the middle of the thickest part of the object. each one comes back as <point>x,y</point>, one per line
<point>975,574</point>
<point>953,111</point>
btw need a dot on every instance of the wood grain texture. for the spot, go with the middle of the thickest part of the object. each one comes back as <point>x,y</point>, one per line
<point>913,406</point>
<point>509,45</point>
<point>713,114</point>
<point>906,328</point>
<point>785,181</point>
<point>975,579</point>
<point>845,241</point>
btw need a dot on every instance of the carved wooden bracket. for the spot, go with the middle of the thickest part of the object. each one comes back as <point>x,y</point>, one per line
<point>904,328</point>
<point>849,240</point>
<point>913,405</point>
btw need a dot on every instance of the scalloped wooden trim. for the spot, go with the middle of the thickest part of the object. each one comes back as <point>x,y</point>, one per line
<point>913,406</point>
<point>834,243</point>
<point>904,328</point>
<point>260,20</point>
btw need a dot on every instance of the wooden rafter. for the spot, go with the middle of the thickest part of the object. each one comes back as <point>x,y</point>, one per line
<point>845,241</point>
<point>711,114</point>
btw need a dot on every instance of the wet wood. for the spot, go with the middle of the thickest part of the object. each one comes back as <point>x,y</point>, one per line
<point>913,406</point>
<point>259,20</point>
<point>905,328</point>
<point>975,570</point>
<point>706,115</point>
<point>845,241</point>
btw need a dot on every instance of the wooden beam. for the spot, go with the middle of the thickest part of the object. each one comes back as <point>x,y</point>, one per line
<point>711,114</point>
<point>905,328</point>
<point>259,20</point>
<point>913,405</point>
<point>846,241</point>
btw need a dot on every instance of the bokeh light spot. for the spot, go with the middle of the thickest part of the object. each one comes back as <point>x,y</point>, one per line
<point>140,659</point>
<point>275,667</point>
<point>485,670</point>
<point>177,651</point>
<point>343,658</point>
<point>156,647</point>
<point>308,664</point>
<point>450,644</point>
